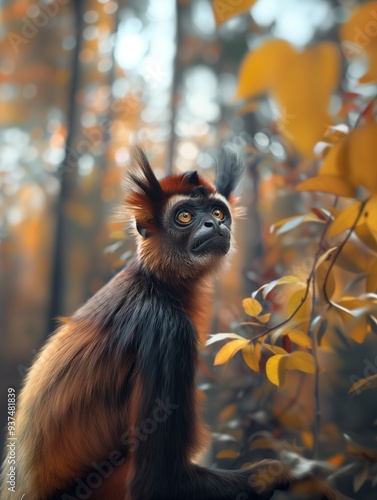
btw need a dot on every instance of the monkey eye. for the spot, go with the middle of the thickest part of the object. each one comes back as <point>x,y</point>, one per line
<point>218,213</point>
<point>184,217</point>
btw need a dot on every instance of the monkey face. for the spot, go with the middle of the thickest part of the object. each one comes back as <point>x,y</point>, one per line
<point>199,226</point>
<point>192,236</point>
<point>182,223</point>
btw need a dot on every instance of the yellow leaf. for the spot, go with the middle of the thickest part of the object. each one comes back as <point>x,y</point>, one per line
<point>252,307</point>
<point>320,276</point>
<point>226,9</point>
<point>285,280</point>
<point>229,350</point>
<point>300,338</point>
<point>228,412</point>
<point>359,37</point>
<point>276,368</point>
<point>358,329</point>
<point>255,76</point>
<point>275,349</point>
<point>366,237</point>
<point>294,302</point>
<point>325,257</point>
<point>332,184</point>
<point>292,222</point>
<point>250,357</point>
<point>302,361</point>
<point>264,318</point>
<point>346,219</point>
<point>365,383</point>
<point>227,454</point>
<point>352,258</point>
<point>370,216</point>
<point>355,303</point>
<point>307,439</point>
<point>303,102</point>
<point>353,158</point>
<point>371,285</point>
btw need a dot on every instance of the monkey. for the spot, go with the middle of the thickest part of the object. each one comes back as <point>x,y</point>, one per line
<point>110,409</point>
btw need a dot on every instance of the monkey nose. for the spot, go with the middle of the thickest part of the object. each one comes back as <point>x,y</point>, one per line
<point>209,223</point>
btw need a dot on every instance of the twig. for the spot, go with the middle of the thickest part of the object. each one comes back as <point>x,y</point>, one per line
<point>339,250</point>
<point>317,416</point>
<point>308,282</point>
<point>365,111</point>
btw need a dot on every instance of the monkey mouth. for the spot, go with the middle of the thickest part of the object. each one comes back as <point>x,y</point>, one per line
<point>213,243</point>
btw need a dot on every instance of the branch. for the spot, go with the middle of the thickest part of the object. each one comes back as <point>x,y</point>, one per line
<point>317,416</point>
<point>308,282</point>
<point>339,251</point>
<point>365,111</point>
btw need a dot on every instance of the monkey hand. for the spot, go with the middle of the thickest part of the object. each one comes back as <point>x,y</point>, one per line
<point>267,476</point>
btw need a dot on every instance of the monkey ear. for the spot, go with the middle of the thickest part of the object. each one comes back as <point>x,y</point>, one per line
<point>144,195</point>
<point>230,167</point>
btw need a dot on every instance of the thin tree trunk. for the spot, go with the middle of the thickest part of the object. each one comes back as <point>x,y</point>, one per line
<point>96,250</point>
<point>67,173</point>
<point>177,70</point>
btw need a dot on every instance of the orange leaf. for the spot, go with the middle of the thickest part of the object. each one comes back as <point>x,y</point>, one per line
<point>227,454</point>
<point>336,460</point>
<point>226,9</point>
<point>365,383</point>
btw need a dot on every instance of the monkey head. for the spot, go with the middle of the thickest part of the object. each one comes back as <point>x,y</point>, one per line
<point>183,224</point>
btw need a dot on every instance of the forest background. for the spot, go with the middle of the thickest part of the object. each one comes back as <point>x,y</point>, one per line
<point>291,85</point>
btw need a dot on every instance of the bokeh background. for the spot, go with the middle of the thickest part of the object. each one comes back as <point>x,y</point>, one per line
<point>81,81</point>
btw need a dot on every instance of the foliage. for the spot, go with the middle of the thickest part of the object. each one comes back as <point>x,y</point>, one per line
<point>295,375</point>
<point>336,300</point>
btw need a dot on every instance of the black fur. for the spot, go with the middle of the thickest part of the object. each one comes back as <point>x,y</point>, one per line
<point>230,168</point>
<point>147,182</point>
<point>192,177</point>
<point>145,318</point>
